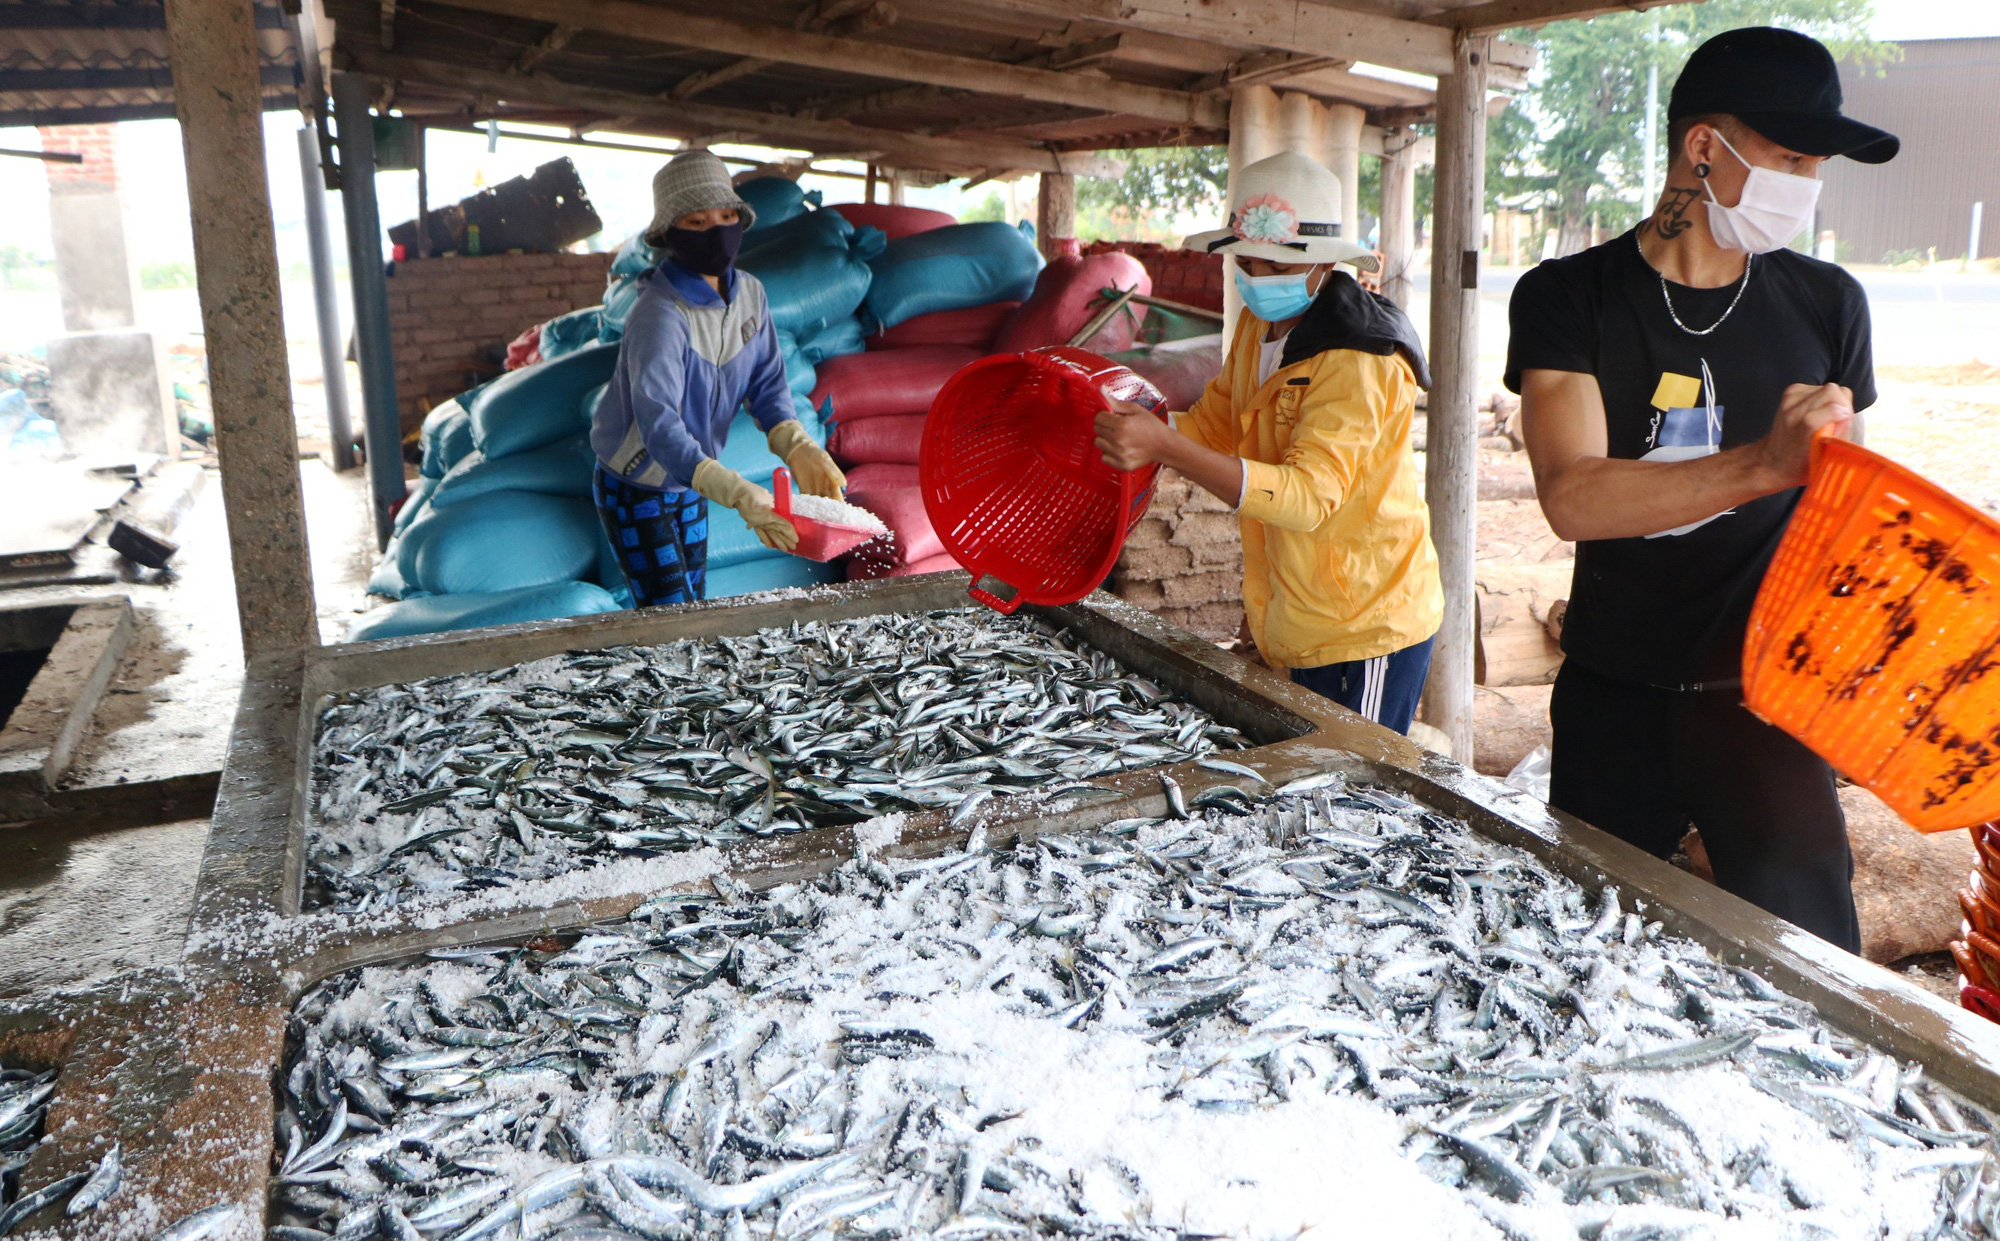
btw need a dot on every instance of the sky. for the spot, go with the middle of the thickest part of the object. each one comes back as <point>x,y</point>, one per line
<point>618,182</point>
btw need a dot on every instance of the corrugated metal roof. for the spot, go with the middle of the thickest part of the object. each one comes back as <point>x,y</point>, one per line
<point>1942,99</point>
<point>85,63</point>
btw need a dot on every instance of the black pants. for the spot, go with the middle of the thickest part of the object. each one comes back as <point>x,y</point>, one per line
<point>1643,762</point>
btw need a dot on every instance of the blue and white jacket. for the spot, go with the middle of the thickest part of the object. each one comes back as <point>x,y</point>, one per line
<point>687,362</point>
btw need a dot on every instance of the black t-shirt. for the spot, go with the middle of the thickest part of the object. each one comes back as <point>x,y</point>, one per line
<point>1671,610</point>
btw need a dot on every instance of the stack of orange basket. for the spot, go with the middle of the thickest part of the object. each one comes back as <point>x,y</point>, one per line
<point>1977,949</point>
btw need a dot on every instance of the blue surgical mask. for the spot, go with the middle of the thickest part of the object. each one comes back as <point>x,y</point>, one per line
<point>1274,298</point>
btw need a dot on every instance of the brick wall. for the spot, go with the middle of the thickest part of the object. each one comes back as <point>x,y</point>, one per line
<point>98,144</point>
<point>1178,275</point>
<point>1184,561</point>
<point>450,318</point>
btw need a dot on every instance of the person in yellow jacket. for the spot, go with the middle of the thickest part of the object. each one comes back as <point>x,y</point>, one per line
<point>1306,433</point>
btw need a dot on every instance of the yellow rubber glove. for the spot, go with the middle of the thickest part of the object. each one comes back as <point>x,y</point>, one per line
<point>811,467</point>
<point>717,482</point>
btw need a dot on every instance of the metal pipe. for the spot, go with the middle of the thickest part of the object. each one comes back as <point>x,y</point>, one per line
<point>326,303</point>
<point>381,429</point>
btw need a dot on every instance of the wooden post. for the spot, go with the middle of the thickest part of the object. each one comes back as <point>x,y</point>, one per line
<point>1055,213</point>
<point>1451,469</point>
<point>870,196</point>
<point>213,48</point>
<point>896,187</point>
<point>1253,135</point>
<point>1342,155</point>
<point>381,425</point>
<point>1399,212</point>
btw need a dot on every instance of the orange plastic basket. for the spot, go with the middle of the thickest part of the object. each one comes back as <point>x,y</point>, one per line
<point>1873,638</point>
<point>1013,481</point>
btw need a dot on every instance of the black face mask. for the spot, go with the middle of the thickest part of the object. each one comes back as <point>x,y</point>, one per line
<point>709,251</point>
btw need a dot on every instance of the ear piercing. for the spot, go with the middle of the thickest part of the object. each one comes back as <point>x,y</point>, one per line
<point>1701,170</point>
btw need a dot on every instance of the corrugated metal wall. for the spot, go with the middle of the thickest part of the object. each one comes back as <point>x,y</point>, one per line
<point>1943,99</point>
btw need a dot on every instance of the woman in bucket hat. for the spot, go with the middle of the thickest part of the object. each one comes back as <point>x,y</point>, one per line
<point>1306,433</point>
<point>698,345</point>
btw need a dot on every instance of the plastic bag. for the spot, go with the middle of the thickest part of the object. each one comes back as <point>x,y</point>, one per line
<point>445,438</point>
<point>814,270</point>
<point>527,409</point>
<point>633,257</point>
<point>950,269</point>
<point>413,504</point>
<point>1068,295</point>
<point>772,573</point>
<point>836,340</point>
<point>1531,774</point>
<point>503,540</point>
<point>618,302</point>
<point>894,439</point>
<point>1180,369</point>
<point>891,381</point>
<point>799,374</point>
<point>565,334</point>
<point>440,613</point>
<point>559,469</point>
<point>894,221</point>
<point>775,200</point>
<point>973,327</point>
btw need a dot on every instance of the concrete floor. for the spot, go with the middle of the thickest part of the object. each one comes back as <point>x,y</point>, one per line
<point>78,905</point>
<point>108,889</point>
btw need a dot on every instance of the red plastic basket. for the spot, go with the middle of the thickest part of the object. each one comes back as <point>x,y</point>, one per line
<point>1012,478</point>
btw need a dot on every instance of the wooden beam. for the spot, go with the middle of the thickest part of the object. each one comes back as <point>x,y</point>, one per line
<point>695,83</point>
<point>1502,14</point>
<point>1264,67</point>
<point>874,101</point>
<point>1290,25</point>
<point>1081,55</point>
<point>388,25</point>
<point>554,41</point>
<point>914,150</point>
<point>877,60</point>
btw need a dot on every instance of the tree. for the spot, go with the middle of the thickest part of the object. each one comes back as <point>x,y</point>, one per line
<point>1167,179</point>
<point>1575,140</point>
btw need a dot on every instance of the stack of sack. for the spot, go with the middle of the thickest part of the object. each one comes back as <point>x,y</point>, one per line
<point>940,295</point>
<point>500,526</point>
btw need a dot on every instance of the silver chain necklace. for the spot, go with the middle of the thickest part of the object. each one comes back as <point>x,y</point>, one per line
<point>1741,284</point>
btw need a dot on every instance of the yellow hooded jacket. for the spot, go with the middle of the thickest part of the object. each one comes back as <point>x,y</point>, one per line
<point>1337,556</point>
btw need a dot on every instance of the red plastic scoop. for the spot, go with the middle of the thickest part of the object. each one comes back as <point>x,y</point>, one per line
<point>818,540</point>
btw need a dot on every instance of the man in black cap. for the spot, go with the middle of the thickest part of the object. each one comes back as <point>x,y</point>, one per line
<point>1671,380</point>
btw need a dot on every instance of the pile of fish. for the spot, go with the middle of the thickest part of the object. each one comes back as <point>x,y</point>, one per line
<point>467,782</point>
<point>24,1102</point>
<point>1319,1007</point>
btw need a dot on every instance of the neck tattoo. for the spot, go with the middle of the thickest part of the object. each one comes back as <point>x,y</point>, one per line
<point>1670,220</point>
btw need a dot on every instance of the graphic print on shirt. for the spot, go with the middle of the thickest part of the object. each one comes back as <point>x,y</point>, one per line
<point>1683,430</point>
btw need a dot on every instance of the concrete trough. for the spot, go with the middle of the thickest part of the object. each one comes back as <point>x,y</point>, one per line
<point>194,1057</point>
<point>80,643</point>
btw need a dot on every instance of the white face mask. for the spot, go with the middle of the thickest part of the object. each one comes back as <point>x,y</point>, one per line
<point>1775,207</point>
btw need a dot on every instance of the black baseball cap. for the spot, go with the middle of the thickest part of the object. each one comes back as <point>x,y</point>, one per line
<point>1783,85</point>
